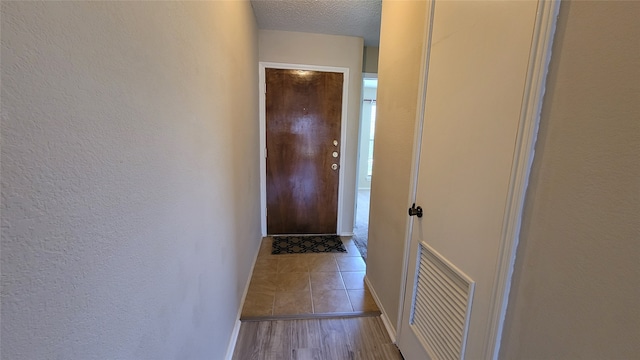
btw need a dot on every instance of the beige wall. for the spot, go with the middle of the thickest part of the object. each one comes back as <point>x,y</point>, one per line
<point>370,59</point>
<point>129,207</point>
<point>398,82</point>
<point>326,50</point>
<point>576,287</point>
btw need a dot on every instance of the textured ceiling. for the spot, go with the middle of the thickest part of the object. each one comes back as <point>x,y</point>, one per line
<point>334,17</point>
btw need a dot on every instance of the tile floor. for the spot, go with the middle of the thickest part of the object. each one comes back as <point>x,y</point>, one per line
<point>307,284</point>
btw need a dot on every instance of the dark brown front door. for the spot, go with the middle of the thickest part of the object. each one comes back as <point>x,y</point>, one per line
<point>303,113</point>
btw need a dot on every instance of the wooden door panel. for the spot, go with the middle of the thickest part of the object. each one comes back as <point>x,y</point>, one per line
<point>303,116</point>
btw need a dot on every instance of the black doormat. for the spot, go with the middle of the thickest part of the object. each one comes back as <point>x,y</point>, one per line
<point>307,244</point>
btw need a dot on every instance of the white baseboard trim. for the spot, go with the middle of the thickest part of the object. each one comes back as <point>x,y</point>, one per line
<point>346,234</point>
<point>232,342</point>
<point>231,347</point>
<point>385,319</point>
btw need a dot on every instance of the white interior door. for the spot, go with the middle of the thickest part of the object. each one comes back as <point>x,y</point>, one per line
<point>475,86</point>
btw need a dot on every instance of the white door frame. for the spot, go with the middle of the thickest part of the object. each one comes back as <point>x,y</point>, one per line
<point>359,159</point>
<point>263,134</point>
<point>540,55</point>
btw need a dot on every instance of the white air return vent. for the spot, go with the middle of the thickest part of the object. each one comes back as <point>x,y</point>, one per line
<point>441,305</point>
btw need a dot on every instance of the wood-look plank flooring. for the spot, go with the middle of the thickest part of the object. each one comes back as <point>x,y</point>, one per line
<point>315,339</point>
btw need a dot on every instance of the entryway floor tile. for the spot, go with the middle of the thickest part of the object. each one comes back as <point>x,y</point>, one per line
<point>307,285</point>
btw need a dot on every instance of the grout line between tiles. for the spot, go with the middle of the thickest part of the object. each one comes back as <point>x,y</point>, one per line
<point>344,283</point>
<point>350,302</point>
<point>273,303</point>
<point>313,308</point>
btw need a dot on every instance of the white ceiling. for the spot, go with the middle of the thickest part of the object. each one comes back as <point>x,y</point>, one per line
<point>334,17</point>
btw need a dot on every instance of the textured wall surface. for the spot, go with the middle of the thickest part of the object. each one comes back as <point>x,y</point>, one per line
<point>401,45</point>
<point>577,281</point>
<point>130,183</point>
<point>326,50</point>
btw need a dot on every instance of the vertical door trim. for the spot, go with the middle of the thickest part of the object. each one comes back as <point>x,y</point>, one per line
<point>540,55</point>
<point>263,134</point>
<point>417,144</point>
<point>535,85</point>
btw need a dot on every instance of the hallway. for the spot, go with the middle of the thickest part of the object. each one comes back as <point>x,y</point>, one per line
<point>311,306</point>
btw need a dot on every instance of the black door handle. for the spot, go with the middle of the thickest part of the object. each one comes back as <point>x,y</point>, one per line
<point>413,210</point>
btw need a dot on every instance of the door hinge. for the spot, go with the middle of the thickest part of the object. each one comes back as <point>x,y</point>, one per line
<point>265,153</point>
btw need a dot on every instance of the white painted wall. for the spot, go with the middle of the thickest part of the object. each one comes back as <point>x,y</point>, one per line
<point>130,188</point>
<point>326,50</point>
<point>577,274</point>
<point>401,46</point>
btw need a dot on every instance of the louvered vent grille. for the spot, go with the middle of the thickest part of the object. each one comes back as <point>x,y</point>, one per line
<point>441,305</point>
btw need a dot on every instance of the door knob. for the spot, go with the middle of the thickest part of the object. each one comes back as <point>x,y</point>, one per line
<point>417,211</point>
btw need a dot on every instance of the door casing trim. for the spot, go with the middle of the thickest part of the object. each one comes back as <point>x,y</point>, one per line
<point>540,55</point>
<point>535,86</point>
<point>263,134</point>
<point>417,143</point>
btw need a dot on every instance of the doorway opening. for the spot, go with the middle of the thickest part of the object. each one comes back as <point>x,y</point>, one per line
<point>365,162</point>
<point>333,148</point>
